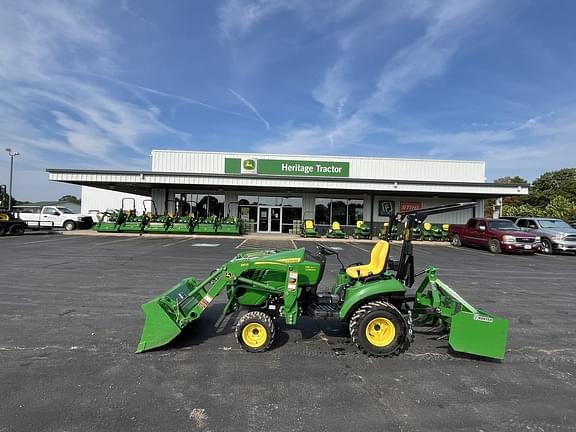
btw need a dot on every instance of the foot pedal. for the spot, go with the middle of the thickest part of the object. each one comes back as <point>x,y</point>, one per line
<point>327,298</point>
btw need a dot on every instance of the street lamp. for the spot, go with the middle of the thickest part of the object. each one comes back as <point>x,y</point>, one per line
<point>11,154</point>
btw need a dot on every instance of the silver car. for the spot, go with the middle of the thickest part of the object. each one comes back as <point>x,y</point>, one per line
<point>556,234</point>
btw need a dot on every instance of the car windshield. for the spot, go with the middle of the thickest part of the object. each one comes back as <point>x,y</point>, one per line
<point>65,210</point>
<point>553,223</point>
<point>502,224</point>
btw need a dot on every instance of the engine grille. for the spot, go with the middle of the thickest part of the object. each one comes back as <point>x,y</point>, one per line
<point>571,238</point>
<point>525,239</point>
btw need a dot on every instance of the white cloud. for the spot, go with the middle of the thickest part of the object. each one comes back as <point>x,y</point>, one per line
<point>50,52</point>
<point>251,107</point>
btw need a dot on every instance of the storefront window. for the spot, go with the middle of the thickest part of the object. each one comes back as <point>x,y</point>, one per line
<point>199,204</point>
<point>292,202</point>
<point>247,200</point>
<point>345,211</point>
<point>322,211</point>
<point>291,217</point>
<point>338,209</point>
<point>355,211</point>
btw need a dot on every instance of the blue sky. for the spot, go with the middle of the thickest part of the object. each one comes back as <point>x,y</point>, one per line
<point>98,84</point>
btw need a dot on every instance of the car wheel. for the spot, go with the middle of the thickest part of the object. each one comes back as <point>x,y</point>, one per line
<point>456,240</point>
<point>495,246</point>
<point>69,226</point>
<point>17,230</point>
<point>547,247</point>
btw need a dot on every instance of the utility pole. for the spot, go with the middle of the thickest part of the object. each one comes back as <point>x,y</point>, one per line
<point>11,154</point>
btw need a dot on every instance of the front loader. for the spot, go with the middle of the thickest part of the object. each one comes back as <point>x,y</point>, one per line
<point>375,300</point>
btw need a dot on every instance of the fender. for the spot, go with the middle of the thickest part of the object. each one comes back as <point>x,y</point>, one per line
<point>360,292</point>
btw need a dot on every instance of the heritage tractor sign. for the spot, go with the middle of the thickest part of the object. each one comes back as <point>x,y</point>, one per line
<point>287,167</point>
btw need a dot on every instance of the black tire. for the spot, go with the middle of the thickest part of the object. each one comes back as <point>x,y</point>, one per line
<point>2,230</point>
<point>494,246</point>
<point>456,242</point>
<point>17,230</point>
<point>255,331</point>
<point>69,225</point>
<point>547,247</point>
<point>394,339</point>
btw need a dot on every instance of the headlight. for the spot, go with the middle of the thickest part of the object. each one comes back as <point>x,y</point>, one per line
<point>508,239</point>
<point>537,239</point>
<point>559,237</point>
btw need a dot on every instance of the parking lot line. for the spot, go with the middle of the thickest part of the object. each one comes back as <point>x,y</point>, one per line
<point>116,241</point>
<point>294,244</point>
<point>45,241</point>
<point>240,245</point>
<point>177,242</point>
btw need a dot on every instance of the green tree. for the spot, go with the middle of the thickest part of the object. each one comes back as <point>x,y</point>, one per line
<point>552,184</point>
<point>513,201</point>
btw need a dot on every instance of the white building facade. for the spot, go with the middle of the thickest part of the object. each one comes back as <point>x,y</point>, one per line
<point>274,193</point>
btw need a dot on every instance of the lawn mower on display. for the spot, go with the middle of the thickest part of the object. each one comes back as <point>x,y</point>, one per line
<point>230,225</point>
<point>362,231</point>
<point>335,231</point>
<point>375,299</point>
<point>309,228</point>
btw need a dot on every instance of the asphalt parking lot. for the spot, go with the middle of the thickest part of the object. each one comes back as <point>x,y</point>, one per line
<point>71,320</point>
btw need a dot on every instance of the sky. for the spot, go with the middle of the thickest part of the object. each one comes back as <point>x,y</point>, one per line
<point>91,84</point>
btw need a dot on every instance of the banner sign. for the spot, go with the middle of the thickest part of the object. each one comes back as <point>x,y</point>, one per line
<point>295,168</point>
<point>410,205</point>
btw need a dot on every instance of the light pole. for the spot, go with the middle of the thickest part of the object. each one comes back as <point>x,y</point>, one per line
<point>11,154</point>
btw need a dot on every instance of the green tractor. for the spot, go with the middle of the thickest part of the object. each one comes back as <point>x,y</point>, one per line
<point>375,300</point>
<point>336,232</point>
<point>362,231</point>
<point>309,228</point>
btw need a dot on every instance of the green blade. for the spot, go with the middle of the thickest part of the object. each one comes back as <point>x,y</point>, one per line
<point>159,328</point>
<point>479,333</point>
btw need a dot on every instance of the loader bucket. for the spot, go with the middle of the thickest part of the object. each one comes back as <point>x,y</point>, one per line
<point>167,314</point>
<point>479,334</point>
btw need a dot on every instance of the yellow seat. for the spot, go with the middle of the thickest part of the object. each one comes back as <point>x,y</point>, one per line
<point>309,224</point>
<point>427,226</point>
<point>335,226</point>
<point>445,227</point>
<point>377,264</point>
<point>359,224</point>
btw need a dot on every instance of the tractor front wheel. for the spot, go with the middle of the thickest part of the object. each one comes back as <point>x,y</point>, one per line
<point>379,329</point>
<point>255,331</point>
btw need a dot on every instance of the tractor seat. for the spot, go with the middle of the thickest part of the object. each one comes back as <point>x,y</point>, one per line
<point>360,224</point>
<point>427,226</point>
<point>336,226</point>
<point>309,224</point>
<point>377,264</point>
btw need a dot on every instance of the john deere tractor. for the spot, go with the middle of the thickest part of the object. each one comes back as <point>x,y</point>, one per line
<point>375,299</point>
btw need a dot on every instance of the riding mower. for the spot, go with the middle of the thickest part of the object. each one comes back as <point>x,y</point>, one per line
<point>417,232</point>
<point>336,232</point>
<point>375,300</point>
<point>309,228</point>
<point>362,231</point>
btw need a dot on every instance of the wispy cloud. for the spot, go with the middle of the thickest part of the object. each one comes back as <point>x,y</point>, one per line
<point>251,108</point>
<point>47,50</point>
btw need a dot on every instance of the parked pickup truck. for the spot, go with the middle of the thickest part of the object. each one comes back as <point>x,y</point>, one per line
<point>557,235</point>
<point>53,216</point>
<point>498,235</point>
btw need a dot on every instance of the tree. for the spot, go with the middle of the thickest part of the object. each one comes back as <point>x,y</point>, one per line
<point>552,184</point>
<point>70,199</point>
<point>507,201</point>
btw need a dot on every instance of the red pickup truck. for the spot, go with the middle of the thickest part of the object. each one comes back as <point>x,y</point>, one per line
<point>498,235</point>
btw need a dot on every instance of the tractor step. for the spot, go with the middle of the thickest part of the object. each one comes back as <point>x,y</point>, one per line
<point>324,311</point>
<point>327,298</point>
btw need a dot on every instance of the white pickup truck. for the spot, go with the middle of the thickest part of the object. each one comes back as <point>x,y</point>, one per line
<point>39,217</point>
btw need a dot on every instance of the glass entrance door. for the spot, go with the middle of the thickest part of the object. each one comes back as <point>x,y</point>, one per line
<point>269,219</point>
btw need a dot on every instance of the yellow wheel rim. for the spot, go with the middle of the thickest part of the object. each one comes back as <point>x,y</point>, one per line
<point>4,217</point>
<point>380,332</point>
<point>254,335</point>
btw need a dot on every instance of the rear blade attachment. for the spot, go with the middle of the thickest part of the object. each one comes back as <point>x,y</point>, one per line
<point>471,330</point>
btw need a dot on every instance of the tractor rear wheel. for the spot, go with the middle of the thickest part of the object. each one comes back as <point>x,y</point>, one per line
<point>17,230</point>
<point>255,331</point>
<point>379,329</point>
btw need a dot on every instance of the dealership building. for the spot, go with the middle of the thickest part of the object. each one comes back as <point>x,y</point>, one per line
<point>273,193</point>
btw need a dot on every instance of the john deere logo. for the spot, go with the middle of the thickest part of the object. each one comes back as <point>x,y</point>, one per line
<point>249,164</point>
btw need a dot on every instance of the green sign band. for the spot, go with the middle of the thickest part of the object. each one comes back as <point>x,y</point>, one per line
<point>288,167</point>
